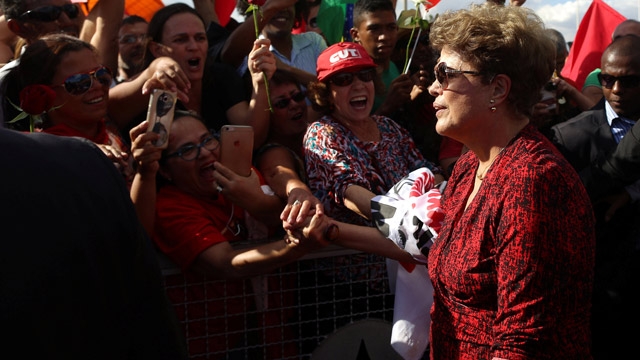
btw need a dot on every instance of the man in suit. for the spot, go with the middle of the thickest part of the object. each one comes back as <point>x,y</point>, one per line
<point>79,278</point>
<point>587,140</point>
<point>622,167</point>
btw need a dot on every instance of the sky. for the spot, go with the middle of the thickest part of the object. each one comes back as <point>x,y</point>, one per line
<point>564,16</point>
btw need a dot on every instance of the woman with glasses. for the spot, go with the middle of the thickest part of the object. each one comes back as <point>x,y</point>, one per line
<point>512,265</point>
<point>351,155</point>
<point>80,83</point>
<point>30,20</point>
<point>514,258</point>
<point>199,227</point>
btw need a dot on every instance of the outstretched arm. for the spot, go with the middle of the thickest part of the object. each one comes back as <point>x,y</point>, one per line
<point>100,29</point>
<point>262,65</point>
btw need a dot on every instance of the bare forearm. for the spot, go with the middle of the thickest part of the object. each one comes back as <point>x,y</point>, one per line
<point>222,261</point>
<point>101,30</point>
<point>358,200</point>
<point>370,240</point>
<point>126,100</point>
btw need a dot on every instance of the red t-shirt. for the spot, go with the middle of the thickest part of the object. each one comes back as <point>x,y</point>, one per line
<point>186,225</point>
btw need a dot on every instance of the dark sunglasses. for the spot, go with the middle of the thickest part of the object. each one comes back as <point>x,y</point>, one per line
<point>192,151</point>
<point>629,81</point>
<point>132,38</point>
<point>79,84</point>
<point>346,79</point>
<point>50,13</point>
<point>443,73</point>
<point>283,103</point>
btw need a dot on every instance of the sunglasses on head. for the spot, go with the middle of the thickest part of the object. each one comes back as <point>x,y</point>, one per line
<point>79,84</point>
<point>346,79</point>
<point>283,103</point>
<point>443,73</point>
<point>50,13</point>
<point>629,81</point>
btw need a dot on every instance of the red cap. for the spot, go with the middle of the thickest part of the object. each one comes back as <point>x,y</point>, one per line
<point>342,56</point>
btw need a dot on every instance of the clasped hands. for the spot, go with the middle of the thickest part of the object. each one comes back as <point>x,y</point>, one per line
<point>305,222</point>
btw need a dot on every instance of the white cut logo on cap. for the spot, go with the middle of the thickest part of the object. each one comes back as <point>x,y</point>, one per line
<point>344,54</point>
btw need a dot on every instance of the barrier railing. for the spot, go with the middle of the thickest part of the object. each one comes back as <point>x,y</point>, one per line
<point>280,315</point>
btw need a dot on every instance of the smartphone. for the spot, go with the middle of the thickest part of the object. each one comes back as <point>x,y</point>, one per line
<point>236,148</point>
<point>162,105</point>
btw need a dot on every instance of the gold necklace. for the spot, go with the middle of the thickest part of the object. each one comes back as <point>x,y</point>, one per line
<point>482,175</point>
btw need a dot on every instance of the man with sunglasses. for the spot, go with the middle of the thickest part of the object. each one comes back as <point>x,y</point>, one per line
<point>588,139</point>
<point>592,88</point>
<point>32,19</point>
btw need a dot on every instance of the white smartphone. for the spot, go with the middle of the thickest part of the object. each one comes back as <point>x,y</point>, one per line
<point>162,105</point>
<point>236,148</point>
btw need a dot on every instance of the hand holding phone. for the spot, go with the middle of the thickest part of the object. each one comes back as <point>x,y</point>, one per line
<point>162,105</point>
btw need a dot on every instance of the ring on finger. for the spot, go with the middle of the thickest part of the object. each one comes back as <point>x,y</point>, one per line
<point>297,202</point>
<point>219,188</point>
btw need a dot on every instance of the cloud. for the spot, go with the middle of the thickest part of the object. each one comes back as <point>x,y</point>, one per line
<point>564,16</point>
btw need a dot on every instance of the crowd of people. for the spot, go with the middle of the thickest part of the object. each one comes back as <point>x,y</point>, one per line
<point>535,253</point>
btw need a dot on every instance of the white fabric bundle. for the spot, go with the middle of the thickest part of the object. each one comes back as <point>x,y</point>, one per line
<point>410,215</point>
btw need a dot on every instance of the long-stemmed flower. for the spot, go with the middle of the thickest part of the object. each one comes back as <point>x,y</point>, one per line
<point>254,7</point>
<point>420,21</point>
<point>35,100</point>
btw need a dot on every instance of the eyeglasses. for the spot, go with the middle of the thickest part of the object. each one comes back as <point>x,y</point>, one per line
<point>191,151</point>
<point>283,103</point>
<point>443,73</point>
<point>132,38</point>
<point>50,13</point>
<point>346,79</point>
<point>629,81</point>
<point>79,84</point>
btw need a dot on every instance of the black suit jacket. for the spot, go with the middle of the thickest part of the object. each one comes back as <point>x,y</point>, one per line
<point>586,138</point>
<point>79,278</point>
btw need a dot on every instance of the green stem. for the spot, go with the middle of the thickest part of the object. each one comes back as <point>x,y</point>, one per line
<point>266,81</point>
<point>406,56</point>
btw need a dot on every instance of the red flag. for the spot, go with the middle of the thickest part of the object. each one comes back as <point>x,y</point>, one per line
<point>432,3</point>
<point>224,8</point>
<point>592,37</point>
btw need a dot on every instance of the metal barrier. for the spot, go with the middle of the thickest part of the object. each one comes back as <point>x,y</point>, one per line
<point>280,315</point>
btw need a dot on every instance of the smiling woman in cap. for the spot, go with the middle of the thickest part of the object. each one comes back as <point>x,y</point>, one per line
<point>347,151</point>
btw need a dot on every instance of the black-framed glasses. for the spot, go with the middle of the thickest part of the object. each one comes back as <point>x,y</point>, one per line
<point>628,81</point>
<point>283,103</point>
<point>79,84</point>
<point>191,151</point>
<point>132,38</point>
<point>50,13</point>
<point>346,79</point>
<point>443,73</point>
